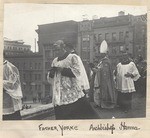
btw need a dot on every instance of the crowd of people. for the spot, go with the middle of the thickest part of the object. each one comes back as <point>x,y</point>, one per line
<point>106,87</point>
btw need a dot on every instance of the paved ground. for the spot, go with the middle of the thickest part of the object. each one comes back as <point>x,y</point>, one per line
<point>37,111</point>
<point>138,110</point>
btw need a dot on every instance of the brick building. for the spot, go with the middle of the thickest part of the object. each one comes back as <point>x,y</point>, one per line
<point>122,33</point>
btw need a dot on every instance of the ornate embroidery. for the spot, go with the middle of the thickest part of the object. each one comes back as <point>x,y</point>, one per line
<point>67,90</point>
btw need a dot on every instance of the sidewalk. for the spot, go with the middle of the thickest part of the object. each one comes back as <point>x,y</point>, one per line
<point>37,111</point>
<point>138,110</point>
<point>40,111</point>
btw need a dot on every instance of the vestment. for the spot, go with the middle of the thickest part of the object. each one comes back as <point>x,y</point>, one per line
<point>67,85</point>
<point>125,84</point>
<point>12,92</point>
<point>104,85</point>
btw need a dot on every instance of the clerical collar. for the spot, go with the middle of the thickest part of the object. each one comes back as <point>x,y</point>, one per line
<point>63,57</point>
<point>125,62</point>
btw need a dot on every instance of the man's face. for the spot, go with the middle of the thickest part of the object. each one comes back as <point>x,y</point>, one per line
<point>58,50</point>
<point>103,55</point>
<point>125,57</point>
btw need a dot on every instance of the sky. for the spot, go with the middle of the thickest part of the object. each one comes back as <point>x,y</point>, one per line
<point>21,20</point>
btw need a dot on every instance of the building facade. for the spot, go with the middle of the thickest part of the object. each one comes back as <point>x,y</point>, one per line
<point>122,33</point>
<point>12,47</point>
<point>31,75</point>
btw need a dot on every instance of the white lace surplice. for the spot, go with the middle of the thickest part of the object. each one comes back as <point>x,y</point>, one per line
<point>67,90</point>
<point>12,86</point>
<point>126,84</point>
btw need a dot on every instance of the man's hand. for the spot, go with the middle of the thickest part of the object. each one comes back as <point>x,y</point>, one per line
<point>59,69</point>
<point>129,75</point>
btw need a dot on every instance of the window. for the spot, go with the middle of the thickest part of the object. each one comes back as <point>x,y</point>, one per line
<point>46,76</point>
<point>114,51</point>
<point>35,76</point>
<point>86,55</point>
<point>39,77</point>
<point>24,65</point>
<point>86,38</point>
<point>121,48</point>
<point>121,36</point>
<point>107,36</point>
<point>35,65</point>
<point>30,76</point>
<point>30,87</point>
<point>39,87</point>
<point>30,65</point>
<point>35,87</point>
<point>39,65</point>
<point>99,37</point>
<point>127,34</point>
<point>114,37</point>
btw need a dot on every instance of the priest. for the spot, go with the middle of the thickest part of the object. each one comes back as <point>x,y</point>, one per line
<point>105,96</point>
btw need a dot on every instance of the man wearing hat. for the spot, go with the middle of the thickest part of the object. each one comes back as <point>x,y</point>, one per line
<point>104,83</point>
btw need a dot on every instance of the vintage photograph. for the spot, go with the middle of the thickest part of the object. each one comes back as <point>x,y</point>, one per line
<point>74,61</point>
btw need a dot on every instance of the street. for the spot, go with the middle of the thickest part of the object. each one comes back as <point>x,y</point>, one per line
<point>138,110</point>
